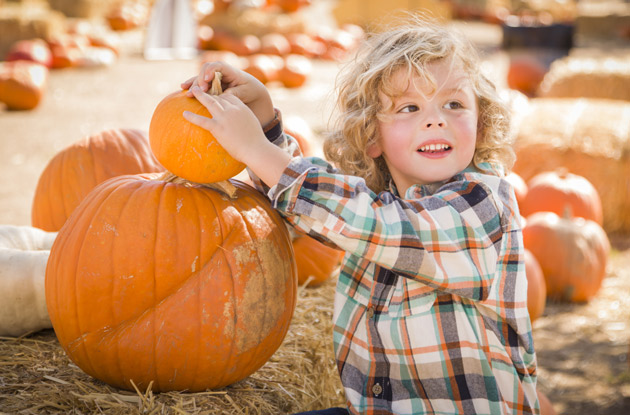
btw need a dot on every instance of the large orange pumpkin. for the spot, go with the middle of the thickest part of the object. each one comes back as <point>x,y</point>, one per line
<point>77,169</point>
<point>536,289</point>
<point>172,283</point>
<point>314,260</point>
<point>572,252</point>
<point>186,149</point>
<point>555,191</point>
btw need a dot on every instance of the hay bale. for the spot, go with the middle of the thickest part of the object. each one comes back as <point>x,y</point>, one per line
<point>37,376</point>
<point>590,137</point>
<point>590,77</point>
<point>598,19</point>
<point>19,21</point>
<point>82,8</point>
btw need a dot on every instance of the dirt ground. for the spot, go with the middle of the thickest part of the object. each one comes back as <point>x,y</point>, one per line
<point>582,349</point>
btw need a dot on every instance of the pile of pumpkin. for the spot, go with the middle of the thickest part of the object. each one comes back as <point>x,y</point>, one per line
<point>566,248</point>
<point>24,73</point>
<point>145,252</point>
<point>271,39</point>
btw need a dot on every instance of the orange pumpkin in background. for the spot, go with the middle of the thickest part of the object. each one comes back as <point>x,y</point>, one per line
<point>73,172</point>
<point>525,75</point>
<point>315,260</point>
<point>536,288</point>
<point>172,284</point>
<point>558,190</point>
<point>22,84</point>
<point>572,252</point>
<point>186,149</point>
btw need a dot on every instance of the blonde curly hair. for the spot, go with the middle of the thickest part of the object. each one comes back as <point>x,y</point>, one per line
<point>409,46</point>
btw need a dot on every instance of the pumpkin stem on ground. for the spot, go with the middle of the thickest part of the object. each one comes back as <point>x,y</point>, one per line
<point>224,186</point>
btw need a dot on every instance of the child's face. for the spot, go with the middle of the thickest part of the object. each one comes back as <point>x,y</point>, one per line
<point>430,132</point>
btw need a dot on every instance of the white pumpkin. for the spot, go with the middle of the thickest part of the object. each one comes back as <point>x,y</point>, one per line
<point>24,252</point>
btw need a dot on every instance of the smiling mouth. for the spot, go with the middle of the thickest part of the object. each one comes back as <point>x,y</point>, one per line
<point>434,148</point>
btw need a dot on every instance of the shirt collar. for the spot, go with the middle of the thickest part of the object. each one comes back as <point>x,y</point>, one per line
<point>417,191</point>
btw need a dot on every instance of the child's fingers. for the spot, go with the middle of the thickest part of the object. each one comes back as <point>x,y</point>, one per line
<point>199,120</point>
<point>188,83</point>
<point>211,102</point>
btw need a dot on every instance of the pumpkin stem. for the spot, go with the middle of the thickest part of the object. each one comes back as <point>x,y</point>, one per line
<point>215,88</point>
<point>224,186</point>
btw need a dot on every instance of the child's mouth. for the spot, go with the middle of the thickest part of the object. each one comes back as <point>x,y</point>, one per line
<point>434,148</point>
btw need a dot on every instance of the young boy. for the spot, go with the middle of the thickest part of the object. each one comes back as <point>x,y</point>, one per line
<point>430,309</point>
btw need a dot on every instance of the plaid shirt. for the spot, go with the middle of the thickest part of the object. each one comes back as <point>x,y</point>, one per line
<point>430,313</point>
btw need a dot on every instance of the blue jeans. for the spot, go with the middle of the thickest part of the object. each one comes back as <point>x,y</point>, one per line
<point>329,411</point>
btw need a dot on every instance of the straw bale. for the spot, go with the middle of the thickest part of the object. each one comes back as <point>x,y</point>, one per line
<point>602,19</point>
<point>27,21</point>
<point>589,137</point>
<point>590,77</point>
<point>89,9</point>
<point>37,377</point>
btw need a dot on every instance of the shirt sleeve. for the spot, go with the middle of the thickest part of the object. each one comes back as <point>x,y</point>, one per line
<point>275,134</point>
<point>449,240</point>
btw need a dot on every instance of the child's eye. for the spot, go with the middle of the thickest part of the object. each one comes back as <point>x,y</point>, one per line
<point>453,105</point>
<point>409,108</point>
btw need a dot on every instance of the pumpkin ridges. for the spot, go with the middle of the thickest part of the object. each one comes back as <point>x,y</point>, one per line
<point>171,311</point>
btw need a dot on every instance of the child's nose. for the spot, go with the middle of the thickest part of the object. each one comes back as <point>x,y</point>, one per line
<point>434,118</point>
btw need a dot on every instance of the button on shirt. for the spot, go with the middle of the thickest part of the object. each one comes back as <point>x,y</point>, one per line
<point>430,311</point>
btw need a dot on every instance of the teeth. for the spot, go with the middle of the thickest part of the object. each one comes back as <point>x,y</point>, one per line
<point>434,147</point>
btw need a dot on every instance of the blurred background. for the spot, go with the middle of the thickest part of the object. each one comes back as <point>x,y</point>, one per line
<point>70,69</point>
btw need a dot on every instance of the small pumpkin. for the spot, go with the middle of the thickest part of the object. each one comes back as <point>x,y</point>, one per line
<point>546,407</point>
<point>35,50</point>
<point>185,149</point>
<point>74,171</point>
<point>174,283</point>
<point>22,84</point>
<point>525,74</point>
<point>536,288</point>
<point>295,71</point>
<point>554,191</point>
<point>572,252</point>
<point>23,256</point>
<point>315,261</point>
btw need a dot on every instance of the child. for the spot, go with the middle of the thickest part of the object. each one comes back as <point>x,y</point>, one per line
<point>430,310</point>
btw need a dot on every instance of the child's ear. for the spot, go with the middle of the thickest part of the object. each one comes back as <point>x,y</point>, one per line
<point>374,150</point>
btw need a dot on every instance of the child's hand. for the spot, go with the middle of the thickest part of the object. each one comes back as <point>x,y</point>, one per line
<point>239,132</point>
<point>233,124</point>
<point>242,85</point>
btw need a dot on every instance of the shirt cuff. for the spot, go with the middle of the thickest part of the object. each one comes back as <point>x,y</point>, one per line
<point>284,194</point>
<point>273,129</point>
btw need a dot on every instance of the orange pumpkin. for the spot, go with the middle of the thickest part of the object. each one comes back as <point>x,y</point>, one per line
<point>172,283</point>
<point>186,149</point>
<point>77,169</point>
<point>572,252</point>
<point>555,191</point>
<point>315,260</point>
<point>22,84</point>
<point>525,75</point>
<point>536,289</point>
<point>295,71</point>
